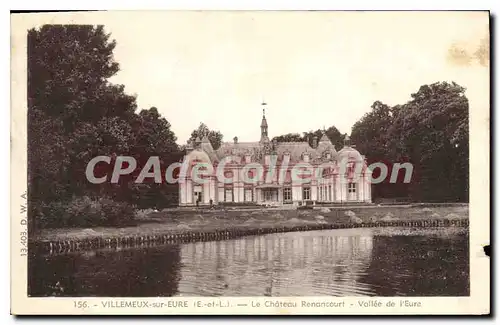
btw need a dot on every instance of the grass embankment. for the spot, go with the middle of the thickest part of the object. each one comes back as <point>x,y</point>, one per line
<point>173,221</point>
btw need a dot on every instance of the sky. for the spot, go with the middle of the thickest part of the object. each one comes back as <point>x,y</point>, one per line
<point>313,69</point>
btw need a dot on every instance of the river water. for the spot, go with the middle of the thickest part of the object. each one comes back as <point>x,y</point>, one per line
<point>344,262</point>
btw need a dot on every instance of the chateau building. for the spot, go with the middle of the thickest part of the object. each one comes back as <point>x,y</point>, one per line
<point>271,173</point>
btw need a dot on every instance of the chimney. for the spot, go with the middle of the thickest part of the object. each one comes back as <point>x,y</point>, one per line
<point>235,140</point>
<point>315,142</point>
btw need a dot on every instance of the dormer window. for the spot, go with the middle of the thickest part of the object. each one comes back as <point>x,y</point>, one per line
<point>305,157</point>
<point>248,158</point>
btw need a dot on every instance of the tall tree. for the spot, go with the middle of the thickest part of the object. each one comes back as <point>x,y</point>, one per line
<point>71,104</point>
<point>75,114</point>
<point>215,137</point>
<point>433,132</point>
<point>154,138</point>
<point>371,132</point>
<point>372,137</point>
<point>68,68</point>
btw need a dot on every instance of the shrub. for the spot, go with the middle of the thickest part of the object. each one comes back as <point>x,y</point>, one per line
<point>354,219</point>
<point>143,213</point>
<point>48,215</point>
<point>84,212</point>
<point>349,213</point>
<point>116,213</point>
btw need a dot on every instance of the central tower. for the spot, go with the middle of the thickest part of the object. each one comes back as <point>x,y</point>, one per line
<point>263,126</point>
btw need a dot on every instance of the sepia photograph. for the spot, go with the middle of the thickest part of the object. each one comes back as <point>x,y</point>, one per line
<point>236,154</point>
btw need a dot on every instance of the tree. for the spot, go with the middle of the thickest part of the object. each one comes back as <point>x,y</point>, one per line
<point>289,137</point>
<point>336,138</point>
<point>215,137</point>
<point>372,137</point>
<point>154,137</point>
<point>433,132</point>
<point>68,68</point>
<point>332,133</point>
<point>69,101</point>
<point>75,114</point>
<point>371,132</point>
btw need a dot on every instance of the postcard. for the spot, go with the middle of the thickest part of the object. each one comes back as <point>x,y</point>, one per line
<point>250,163</point>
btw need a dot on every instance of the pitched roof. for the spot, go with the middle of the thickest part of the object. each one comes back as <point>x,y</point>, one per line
<point>324,138</point>
<point>295,149</point>
<point>325,145</point>
<point>205,140</point>
<point>207,147</point>
<point>240,149</point>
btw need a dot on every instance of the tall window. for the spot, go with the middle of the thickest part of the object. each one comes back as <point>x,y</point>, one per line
<point>287,194</point>
<point>306,193</point>
<point>330,193</point>
<point>268,195</point>
<point>351,188</point>
<point>197,194</point>
<point>228,194</point>
<point>248,195</point>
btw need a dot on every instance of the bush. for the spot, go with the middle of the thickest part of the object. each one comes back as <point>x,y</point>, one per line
<point>116,213</point>
<point>354,219</point>
<point>142,214</point>
<point>84,212</point>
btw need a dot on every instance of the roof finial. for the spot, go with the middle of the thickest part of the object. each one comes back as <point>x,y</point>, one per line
<point>263,108</point>
<point>347,141</point>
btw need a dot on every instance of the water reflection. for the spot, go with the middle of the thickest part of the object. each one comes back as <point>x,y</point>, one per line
<point>419,266</point>
<point>125,273</point>
<point>290,264</point>
<point>333,263</point>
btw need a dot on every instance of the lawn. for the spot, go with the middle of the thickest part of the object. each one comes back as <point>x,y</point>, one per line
<point>182,220</point>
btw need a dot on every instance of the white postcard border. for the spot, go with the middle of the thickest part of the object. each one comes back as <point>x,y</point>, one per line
<point>477,303</point>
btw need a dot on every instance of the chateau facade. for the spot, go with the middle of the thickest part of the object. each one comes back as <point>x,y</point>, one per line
<point>271,173</point>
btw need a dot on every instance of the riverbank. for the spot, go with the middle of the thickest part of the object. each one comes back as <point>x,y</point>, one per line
<point>209,225</point>
<point>280,264</point>
<point>181,220</point>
